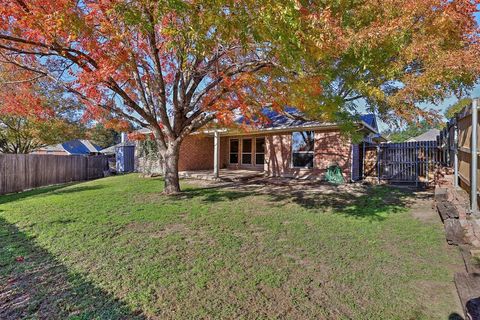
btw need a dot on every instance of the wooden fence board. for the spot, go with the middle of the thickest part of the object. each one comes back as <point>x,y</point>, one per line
<point>20,172</point>
<point>462,124</point>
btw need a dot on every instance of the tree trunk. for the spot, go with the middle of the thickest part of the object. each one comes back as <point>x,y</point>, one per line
<point>172,184</point>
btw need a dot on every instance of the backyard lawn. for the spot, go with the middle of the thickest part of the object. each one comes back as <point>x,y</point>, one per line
<point>116,248</point>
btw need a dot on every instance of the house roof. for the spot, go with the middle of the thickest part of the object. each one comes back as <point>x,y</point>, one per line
<point>293,118</point>
<point>76,147</point>
<point>430,135</point>
<point>111,149</point>
<point>370,119</point>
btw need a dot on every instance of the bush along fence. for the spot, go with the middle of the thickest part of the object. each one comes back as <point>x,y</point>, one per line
<point>19,172</point>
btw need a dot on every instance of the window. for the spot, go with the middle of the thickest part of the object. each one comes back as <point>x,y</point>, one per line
<point>302,149</point>
<point>259,151</point>
<point>234,151</point>
<point>246,151</point>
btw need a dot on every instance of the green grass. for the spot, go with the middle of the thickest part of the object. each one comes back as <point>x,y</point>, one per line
<point>117,248</point>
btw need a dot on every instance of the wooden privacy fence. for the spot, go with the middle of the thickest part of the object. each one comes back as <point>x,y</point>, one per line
<point>20,172</point>
<point>456,144</point>
<point>406,162</point>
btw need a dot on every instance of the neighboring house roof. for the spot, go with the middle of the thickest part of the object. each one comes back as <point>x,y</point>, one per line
<point>53,148</point>
<point>76,147</point>
<point>80,147</point>
<point>430,135</point>
<point>111,149</point>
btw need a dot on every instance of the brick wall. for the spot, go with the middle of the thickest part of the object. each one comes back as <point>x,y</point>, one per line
<point>330,147</point>
<point>196,153</point>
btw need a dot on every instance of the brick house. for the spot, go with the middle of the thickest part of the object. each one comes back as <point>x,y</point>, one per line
<point>286,147</point>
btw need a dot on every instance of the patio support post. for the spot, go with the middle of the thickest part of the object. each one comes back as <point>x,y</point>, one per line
<point>474,155</point>
<point>216,153</point>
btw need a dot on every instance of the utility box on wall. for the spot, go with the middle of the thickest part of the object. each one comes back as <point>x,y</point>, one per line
<point>125,158</point>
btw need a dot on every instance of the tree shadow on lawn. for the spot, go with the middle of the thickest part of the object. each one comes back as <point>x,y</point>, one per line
<point>371,203</point>
<point>213,194</point>
<point>60,189</point>
<point>34,284</point>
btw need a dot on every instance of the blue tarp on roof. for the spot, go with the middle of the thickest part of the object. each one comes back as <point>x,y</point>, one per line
<point>80,147</point>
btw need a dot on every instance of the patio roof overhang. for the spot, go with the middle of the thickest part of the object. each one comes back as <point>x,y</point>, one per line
<point>235,131</point>
<point>249,131</point>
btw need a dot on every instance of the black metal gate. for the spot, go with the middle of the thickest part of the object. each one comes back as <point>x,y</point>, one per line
<point>407,162</point>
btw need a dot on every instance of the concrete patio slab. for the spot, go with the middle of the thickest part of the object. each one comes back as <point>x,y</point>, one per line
<point>224,175</point>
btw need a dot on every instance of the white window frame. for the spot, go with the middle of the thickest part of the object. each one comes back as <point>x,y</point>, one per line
<point>250,153</point>
<point>230,151</point>
<point>312,152</point>
<point>264,141</point>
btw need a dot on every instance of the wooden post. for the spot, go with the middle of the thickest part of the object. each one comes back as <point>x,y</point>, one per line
<point>474,156</point>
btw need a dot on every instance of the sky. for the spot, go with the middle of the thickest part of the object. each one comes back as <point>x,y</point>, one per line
<point>442,107</point>
<point>475,93</point>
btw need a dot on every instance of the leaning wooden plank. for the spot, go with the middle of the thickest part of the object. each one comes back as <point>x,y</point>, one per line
<point>454,232</point>
<point>468,288</point>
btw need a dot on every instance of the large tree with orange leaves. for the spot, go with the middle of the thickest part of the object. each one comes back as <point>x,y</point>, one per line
<point>175,66</point>
<point>34,113</point>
